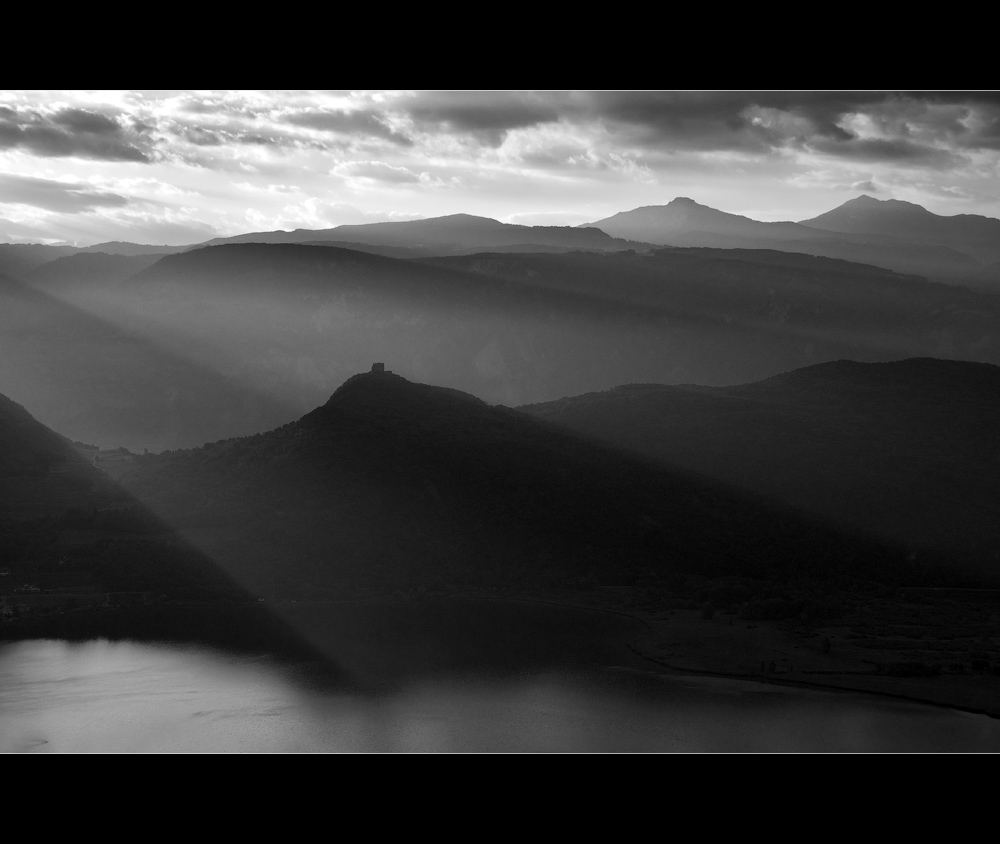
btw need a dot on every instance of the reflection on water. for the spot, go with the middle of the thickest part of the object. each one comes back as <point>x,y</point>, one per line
<point>127,697</point>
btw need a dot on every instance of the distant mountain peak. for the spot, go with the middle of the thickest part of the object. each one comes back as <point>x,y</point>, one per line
<point>469,217</point>
<point>895,205</point>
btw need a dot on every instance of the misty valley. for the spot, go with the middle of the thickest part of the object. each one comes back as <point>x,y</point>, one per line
<point>675,468</point>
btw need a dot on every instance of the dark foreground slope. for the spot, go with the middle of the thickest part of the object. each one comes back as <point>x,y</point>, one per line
<point>394,486</point>
<point>909,449</point>
<point>41,473</point>
<point>81,559</point>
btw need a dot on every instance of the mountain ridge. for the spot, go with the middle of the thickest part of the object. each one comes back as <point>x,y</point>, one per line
<point>888,233</point>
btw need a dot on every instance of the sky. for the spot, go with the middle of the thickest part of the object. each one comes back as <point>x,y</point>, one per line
<point>180,167</point>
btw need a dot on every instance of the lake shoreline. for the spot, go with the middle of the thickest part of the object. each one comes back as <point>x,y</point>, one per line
<point>677,643</point>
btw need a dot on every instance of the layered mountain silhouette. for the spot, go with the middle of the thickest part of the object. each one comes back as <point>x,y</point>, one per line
<point>16,259</point>
<point>971,234</point>
<point>895,235</point>
<point>97,382</point>
<point>120,247</point>
<point>864,230</point>
<point>234,339</point>
<point>81,275</point>
<point>715,316</point>
<point>392,484</point>
<point>909,450</point>
<point>452,234</point>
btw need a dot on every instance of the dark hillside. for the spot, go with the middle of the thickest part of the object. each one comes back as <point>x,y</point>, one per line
<point>81,559</point>
<point>291,319</point>
<point>909,449</point>
<point>41,472</point>
<point>17,259</point>
<point>394,486</point>
<point>85,273</point>
<point>514,328</point>
<point>776,306</point>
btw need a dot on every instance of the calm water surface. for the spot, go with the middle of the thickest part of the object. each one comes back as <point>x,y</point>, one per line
<point>104,696</point>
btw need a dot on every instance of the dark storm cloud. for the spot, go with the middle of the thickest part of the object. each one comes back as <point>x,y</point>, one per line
<point>689,120</point>
<point>486,115</point>
<point>348,123</point>
<point>970,120</point>
<point>70,132</point>
<point>669,120</point>
<point>916,128</point>
<point>919,128</point>
<point>879,149</point>
<point>51,195</point>
<point>711,121</point>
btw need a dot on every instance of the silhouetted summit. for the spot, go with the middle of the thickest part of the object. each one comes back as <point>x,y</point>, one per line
<point>969,234</point>
<point>859,232</point>
<point>664,224</point>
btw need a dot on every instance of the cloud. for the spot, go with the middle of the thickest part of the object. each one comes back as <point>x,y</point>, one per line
<point>347,123</point>
<point>865,187</point>
<point>61,197</point>
<point>202,137</point>
<point>919,128</point>
<point>316,214</point>
<point>70,132</point>
<point>376,171</point>
<point>228,133</point>
<point>487,116</point>
<point>548,218</point>
<point>175,229</point>
<point>16,231</point>
<point>889,150</point>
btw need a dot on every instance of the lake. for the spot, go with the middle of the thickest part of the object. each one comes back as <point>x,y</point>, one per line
<point>102,696</point>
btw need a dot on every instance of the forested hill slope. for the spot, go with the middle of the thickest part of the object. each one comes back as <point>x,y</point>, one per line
<point>392,484</point>
<point>41,472</point>
<point>909,449</point>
